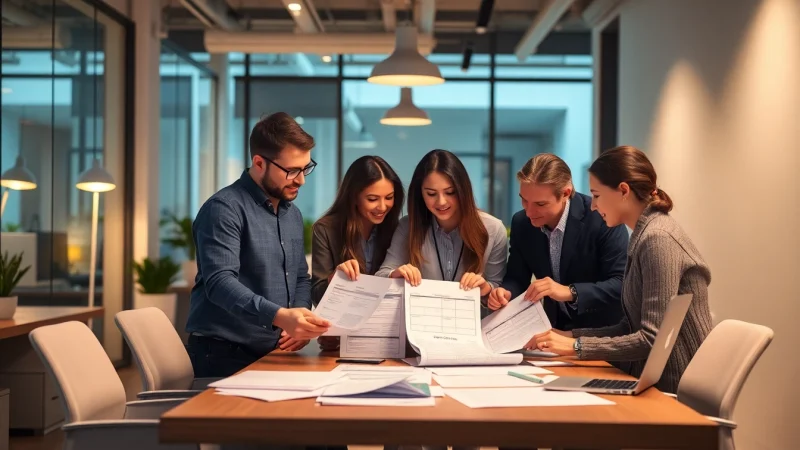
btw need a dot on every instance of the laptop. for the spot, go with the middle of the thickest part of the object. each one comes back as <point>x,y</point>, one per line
<point>656,361</point>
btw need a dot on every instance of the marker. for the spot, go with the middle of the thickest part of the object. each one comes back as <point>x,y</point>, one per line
<point>531,378</point>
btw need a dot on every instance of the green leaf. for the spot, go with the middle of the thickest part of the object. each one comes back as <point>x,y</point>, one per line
<point>180,230</point>
<point>10,273</point>
<point>155,277</point>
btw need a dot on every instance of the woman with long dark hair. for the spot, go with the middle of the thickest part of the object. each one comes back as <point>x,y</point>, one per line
<point>356,231</point>
<point>445,236</point>
<point>662,263</point>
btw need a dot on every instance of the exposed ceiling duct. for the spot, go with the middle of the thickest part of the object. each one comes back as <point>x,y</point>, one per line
<point>37,37</point>
<point>321,44</point>
<point>214,14</point>
<point>598,11</point>
<point>426,16</point>
<point>19,16</point>
<point>389,15</point>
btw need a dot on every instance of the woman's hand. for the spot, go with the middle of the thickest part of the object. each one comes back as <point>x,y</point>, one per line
<point>473,280</point>
<point>350,268</point>
<point>409,272</point>
<point>554,342</point>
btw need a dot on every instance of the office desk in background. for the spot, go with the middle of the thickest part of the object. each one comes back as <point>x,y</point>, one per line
<point>650,420</point>
<point>35,405</point>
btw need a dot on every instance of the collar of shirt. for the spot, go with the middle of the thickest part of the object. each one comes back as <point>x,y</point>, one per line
<point>437,229</point>
<point>562,223</point>
<point>258,194</point>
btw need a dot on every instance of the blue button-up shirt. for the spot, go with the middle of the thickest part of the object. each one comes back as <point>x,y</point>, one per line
<point>250,263</point>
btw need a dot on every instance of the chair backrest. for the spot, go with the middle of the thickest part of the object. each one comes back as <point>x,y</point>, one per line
<point>89,385</point>
<point>157,348</point>
<point>714,378</point>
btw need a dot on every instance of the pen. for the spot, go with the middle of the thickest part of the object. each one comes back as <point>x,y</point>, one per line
<point>532,378</point>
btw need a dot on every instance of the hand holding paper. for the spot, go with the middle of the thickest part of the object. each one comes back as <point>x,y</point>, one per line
<point>347,304</point>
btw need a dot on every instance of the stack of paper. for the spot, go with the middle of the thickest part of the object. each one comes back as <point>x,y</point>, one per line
<point>338,387</point>
<point>358,371</point>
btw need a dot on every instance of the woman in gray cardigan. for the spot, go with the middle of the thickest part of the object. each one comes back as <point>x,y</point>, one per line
<point>662,263</point>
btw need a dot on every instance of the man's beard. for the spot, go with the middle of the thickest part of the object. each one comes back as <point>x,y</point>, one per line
<point>276,191</point>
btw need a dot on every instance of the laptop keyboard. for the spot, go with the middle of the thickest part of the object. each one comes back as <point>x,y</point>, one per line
<point>610,384</point>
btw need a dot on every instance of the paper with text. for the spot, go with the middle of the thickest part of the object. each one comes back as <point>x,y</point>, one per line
<point>348,305</point>
<point>384,334</point>
<point>511,327</point>
<point>443,325</point>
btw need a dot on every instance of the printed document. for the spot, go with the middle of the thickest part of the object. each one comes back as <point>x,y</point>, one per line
<point>522,397</point>
<point>443,325</point>
<point>384,334</point>
<point>348,305</point>
<point>511,327</point>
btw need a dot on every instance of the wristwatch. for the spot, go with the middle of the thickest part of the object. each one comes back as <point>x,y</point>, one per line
<point>577,347</point>
<point>573,291</point>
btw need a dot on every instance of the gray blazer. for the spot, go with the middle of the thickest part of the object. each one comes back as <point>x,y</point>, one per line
<point>662,262</point>
<point>494,260</point>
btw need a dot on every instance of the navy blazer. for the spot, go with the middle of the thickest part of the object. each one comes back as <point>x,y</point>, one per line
<point>593,259</point>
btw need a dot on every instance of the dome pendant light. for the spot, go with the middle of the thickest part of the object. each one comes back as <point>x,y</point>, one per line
<point>406,113</point>
<point>405,66</point>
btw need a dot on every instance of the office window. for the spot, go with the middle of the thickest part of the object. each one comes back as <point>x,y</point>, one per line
<point>459,112</point>
<point>539,117</point>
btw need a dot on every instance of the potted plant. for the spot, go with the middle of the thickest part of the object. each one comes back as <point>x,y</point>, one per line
<point>181,237</point>
<point>10,274</point>
<point>154,279</point>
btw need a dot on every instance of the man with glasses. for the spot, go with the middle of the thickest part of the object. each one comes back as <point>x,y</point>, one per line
<point>253,292</point>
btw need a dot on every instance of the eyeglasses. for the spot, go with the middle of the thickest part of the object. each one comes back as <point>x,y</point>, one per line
<point>291,174</point>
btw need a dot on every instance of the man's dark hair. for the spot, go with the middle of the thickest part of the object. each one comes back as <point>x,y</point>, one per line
<point>274,132</point>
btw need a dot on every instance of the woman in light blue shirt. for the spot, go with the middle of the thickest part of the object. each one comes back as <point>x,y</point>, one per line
<point>445,236</point>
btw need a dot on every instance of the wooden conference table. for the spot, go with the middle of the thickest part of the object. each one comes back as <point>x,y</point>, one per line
<point>650,420</point>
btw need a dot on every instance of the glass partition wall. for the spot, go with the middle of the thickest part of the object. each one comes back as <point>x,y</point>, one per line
<point>64,96</point>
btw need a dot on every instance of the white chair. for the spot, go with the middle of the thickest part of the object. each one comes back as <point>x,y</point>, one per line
<point>97,416</point>
<point>164,365</point>
<point>714,378</point>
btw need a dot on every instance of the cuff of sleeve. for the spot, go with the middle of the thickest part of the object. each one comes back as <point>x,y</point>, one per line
<point>268,313</point>
<point>583,300</point>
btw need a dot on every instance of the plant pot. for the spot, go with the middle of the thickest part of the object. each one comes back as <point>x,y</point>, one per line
<point>8,306</point>
<point>165,302</point>
<point>189,269</point>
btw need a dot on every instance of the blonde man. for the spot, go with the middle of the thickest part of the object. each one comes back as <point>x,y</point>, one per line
<point>561,252</point>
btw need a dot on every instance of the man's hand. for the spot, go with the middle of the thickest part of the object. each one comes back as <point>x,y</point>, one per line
<point>498,298</point>
<point>300,323</point>
<point>547,287</point>
<point>290,344</point>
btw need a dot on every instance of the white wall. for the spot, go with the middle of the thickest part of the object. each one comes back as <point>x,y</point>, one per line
<point>710,89</point>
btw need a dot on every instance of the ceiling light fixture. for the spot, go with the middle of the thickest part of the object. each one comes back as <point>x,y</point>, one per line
<point>405,66</point>
<point>406,113</point>
<point>326,58</point>
<point>484,15</point>
<point>294,7</point>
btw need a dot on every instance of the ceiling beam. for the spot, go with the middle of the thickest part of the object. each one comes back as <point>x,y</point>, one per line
<point>425,16</point>
<point>544,22</point>
<point>389,14</point>
<point>305,15</point>
<point>598,13</point>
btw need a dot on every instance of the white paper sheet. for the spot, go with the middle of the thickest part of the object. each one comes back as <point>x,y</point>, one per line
<point>443,325</point>
<point>384,334</point>
<point>538,354</point>
<point>359,371</point>
<point>488,370</point>
<point>487,381</point>
<point>278,380</point>
<point>269,395</point>
<point>551,363</point>
<point>347,304</point>
<point>349,401</point>
<point>523,397</point>
<point>511,327</point>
